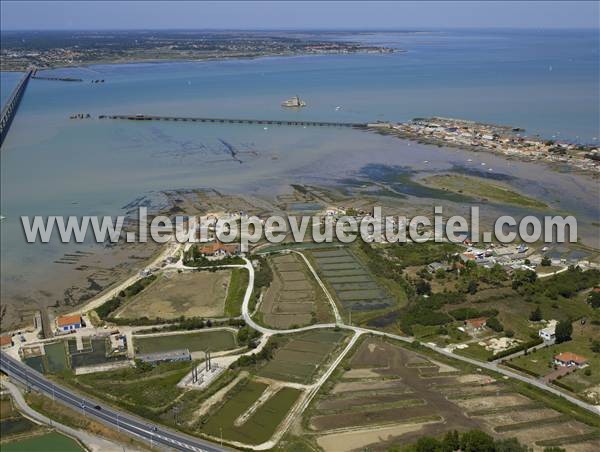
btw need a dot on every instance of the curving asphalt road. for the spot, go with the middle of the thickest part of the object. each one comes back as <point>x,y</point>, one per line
<point>486,365</point>
<point>150,433</point>
<point>179,441</point>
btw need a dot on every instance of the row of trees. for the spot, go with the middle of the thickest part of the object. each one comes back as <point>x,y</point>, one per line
<point>471,441</point>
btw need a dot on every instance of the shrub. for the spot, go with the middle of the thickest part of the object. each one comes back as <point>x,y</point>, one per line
<point>536,315</point>
<point>494,324</point>
<point>564,329</point>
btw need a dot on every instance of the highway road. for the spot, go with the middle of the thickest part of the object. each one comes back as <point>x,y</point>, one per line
<point>154,434</point>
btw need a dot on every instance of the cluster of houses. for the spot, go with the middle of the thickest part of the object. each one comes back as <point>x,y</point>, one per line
<point>504,140</point>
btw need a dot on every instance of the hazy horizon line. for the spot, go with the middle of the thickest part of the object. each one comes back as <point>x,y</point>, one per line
<point>363,30</point>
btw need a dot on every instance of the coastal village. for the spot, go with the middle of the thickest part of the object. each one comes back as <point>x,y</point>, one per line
<point>508,141</point>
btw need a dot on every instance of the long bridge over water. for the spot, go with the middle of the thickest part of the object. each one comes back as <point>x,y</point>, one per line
<point>12,104</point>
<point>275,122</point>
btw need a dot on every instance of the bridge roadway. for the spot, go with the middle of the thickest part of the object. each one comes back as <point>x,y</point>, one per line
<point>12,104</point>
<point>57,79</point>
<point>275,122</point>
<point>107,415</point>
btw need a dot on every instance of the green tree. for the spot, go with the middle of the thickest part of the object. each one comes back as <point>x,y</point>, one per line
<point>594,300</point>
<point>510,445</point>
<point>451,441</point>
<point>428,444</point>
<point>564,329</point>
<point>422,287</point>
<point>476,441</point>
<point>472,287</point>
<point>546,262</point>
<point>494,324</point>
<point>536,315</point>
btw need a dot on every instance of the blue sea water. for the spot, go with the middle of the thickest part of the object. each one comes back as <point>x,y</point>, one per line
<point>544,81</point>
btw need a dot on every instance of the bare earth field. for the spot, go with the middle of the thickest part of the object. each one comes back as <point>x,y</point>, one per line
<point>388,395</point>
<point>293,298</point>
<point>301,357</point>
<point>196,294</point>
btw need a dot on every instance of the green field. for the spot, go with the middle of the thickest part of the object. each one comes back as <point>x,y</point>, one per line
<point>207,340</point>
<point>56,357</point>
<point>236,291</point>
<point>51,442</point>
<point>540,361</point>
<point>481,189</point>
<point>35,362</point>
<point>261,425</point>
<point>300,358</point>
<point>143,391</point>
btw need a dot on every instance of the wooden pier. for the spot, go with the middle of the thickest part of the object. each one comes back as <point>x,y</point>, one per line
<point>274,122</point>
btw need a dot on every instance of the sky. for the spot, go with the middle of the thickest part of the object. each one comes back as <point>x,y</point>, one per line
<point>82,15</point>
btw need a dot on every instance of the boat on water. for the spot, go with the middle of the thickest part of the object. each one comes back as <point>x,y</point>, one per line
<point>294,102</point>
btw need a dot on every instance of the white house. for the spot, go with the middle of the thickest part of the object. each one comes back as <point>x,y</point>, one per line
<point>548,334</point>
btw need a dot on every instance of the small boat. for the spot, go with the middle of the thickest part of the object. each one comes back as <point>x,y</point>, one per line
<point>294,102</point>
<point>469,160</point>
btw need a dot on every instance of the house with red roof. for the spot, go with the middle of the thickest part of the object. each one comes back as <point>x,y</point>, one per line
<point>67,323</point>
<point>569,359</point>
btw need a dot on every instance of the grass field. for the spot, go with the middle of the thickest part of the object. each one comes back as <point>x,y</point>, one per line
<point>51,442</point>
<point>170,296</point>
<point>235,292</point>
<point>206,340</point>
<point>301,356</point>
<point>481,189</point>
<point>56,357</point>
<point>350,281</point>
<point>36,362</point>
<point>540,361</point>
<point>261,425</point>
<point>145,392</point>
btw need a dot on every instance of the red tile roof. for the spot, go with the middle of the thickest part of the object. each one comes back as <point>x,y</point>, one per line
<point>68,320</point>
<point>567,357</point>
<point>5,340</point>
<point>213,248</point>
<point>476,323</point>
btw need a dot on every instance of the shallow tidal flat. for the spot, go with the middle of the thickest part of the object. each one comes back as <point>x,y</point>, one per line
<point>481,190</point>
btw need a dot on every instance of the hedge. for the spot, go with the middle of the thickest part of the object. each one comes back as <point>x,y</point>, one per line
<point>518,348</point>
